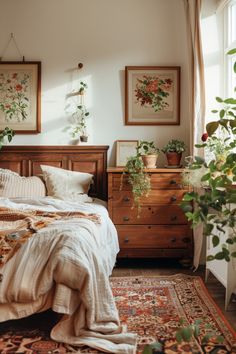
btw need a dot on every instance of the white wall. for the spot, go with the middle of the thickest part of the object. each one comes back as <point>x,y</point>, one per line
<point>105,35</point>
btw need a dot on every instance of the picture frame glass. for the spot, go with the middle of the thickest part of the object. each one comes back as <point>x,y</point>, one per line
<point>20,84</point>
<point>124,150</point>
<point>152,96</point>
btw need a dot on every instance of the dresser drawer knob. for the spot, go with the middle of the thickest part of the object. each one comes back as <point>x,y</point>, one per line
<point>126,240</point>
<point>173,218</point>
<point>172,181</point>
<point>186,239</point>
<point>125,218</point>
<point>173,240</point>
<point>126,199</point>
<point>173,198</point>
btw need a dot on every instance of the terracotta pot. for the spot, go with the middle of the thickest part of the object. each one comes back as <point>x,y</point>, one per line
<point>173,158</point>
<point>150,160</point>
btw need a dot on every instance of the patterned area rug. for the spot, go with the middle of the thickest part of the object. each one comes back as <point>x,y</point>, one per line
<point>149,306</point>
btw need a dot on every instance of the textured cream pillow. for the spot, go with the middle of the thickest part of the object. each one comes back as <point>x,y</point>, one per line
<point>64,184</point>
<point>12,185</point>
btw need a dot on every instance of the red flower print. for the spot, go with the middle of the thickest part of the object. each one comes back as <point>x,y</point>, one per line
<point>204,137</point>
<point>14,75</point>
<point>7,106</point>
<point>18,87</point>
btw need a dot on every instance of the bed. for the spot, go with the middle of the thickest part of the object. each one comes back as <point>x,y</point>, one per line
<point>70,250</point>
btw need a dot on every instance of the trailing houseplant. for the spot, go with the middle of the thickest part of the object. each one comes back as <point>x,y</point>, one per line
<point>173,150</point>
<point>6,133</point>
<point>216,174</point>
<point>137,175</point>
<point>80,116</point>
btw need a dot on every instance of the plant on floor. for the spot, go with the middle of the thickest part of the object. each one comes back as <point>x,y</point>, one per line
<point>216,174</point>
<point>186,333</point>
<point>6,133</point>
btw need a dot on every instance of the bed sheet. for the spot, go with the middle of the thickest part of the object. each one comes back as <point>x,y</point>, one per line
<point>66,266</point>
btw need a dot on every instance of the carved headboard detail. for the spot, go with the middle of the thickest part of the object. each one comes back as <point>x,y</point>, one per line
<point>26,161</point>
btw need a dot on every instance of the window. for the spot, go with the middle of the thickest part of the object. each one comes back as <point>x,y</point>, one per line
<point>229,43</point>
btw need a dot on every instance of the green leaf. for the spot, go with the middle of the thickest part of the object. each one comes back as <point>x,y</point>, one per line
<point>218,99</point>
<point>233,254</point>
<point>187,333</point>
<point>214,111</point>
<point>231,51</point>
<point>210,258</point>
<point>200,145</point>
<point>212,127</point>
<point>215,241</point>
<point>222,113</point>
<point>230,100</point>
<point>178,337</point>
<point>199,160</point>
<point>235,67</point>
<point>206,177</point>
<point>219,255</point>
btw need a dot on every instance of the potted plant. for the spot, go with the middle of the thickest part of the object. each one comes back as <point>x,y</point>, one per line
<point>173,150</point>
<point>215,203</point>
<point>137,178</point>
<point>80,115</point>
<point>148,152</point>
<point>135,169</point>
<point>6,133</point>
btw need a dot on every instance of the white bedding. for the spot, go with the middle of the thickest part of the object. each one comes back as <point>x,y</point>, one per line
<point>66,266</point>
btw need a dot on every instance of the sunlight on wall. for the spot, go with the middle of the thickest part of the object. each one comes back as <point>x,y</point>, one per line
<point>67,99</point>
<point>211,55</point>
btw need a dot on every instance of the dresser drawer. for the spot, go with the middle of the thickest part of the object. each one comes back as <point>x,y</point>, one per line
<point>167,197</point>
<point>158,181</point>
<point>156,214</point>
<point>154,236</point>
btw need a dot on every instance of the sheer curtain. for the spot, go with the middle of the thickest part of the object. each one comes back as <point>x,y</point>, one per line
<point>197,99</point>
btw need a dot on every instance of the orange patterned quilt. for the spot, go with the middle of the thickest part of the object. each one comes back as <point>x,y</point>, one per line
<point>17,226</point>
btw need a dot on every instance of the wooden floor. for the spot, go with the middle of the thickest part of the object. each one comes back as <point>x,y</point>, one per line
<point>133,267</point>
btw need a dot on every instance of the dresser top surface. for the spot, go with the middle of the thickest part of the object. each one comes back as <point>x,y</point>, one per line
<point>157,170</point>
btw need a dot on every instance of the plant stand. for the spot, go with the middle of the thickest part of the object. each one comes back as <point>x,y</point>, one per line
<point>222,270</point>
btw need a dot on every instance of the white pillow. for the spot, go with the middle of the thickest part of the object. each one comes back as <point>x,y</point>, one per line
<point>12,185</point>
<point>64,184</point>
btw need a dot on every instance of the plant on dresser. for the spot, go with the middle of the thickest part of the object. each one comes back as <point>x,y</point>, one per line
<point>173,150</point>
<point>161,230</point>
<point>135,169</point>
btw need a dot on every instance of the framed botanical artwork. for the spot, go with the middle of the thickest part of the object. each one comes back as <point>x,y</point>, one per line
<point>152,95</point>
<point>20,96</point>
<point>125,149</point>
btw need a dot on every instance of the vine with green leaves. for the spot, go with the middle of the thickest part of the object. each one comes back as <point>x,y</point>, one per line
<point>215,204</point>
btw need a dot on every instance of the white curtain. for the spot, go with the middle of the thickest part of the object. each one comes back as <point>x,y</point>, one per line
<point>197,99</point>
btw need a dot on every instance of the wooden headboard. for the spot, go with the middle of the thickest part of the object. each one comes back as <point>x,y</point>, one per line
<point>26,161</point>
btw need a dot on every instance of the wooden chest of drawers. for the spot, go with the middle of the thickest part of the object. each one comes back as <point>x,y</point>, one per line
<point>162,229</point>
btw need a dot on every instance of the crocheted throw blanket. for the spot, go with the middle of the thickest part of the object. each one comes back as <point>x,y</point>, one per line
<point>17,226</point>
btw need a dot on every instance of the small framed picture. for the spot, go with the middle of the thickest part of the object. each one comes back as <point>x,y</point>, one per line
<point>124,150</point>
<point>20,95</point>
<point>152,95</point>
